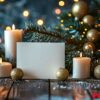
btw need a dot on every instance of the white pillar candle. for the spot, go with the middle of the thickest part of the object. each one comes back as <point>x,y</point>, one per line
<point>81,67</point>
<point>11,37</point>
<point>5,69</point>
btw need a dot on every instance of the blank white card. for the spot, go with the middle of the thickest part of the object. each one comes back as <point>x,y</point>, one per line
<point>40,60</point>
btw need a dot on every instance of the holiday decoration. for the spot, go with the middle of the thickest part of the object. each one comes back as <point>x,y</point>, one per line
<point>93,35</point>
<point>89,46</point>
<point>80,9</point>
<point>88,19</point>
<point>16,74</point>
<point>97,72</point>
<point>62,74</point>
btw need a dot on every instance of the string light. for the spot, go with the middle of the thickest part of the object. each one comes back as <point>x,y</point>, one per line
<point>66,29</point>
<point>69,14</point>
<point>57,11</point>
<point>82,36</point>
<point>83,32</point>
<point>62,21</point>
<point>61,3</point>
<point>85,29</point>
<point>62,25</point>
<point>2,0</point>
<point>8,28</point>
<point>71,26</point>
<point>40,22</point>
<point>81,22</point>
<point>25,13</point>
<point>76,0</point>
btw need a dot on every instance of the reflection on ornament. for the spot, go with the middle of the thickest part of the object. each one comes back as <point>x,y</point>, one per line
<point>25,13</point>
<point>88,47</point>
<point>57,11</point>
<point>16,74</point>
<point>62,74</point>
<point>93,35</point>
<point>97,72</point>
<point>88,19</point>
<point>61,3</point>
<point>80,9</point>
<point>40,22</point>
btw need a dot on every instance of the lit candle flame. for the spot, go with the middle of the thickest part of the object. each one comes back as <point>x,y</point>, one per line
<point>81,54</point>
<point>0,60</point>
<point>13,27</point>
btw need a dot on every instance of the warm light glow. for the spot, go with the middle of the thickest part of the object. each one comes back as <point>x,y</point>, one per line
<point>81,22</point>
<point>40,22</point>
<point>62,21</point>
<point>76,0</point>
<point>8,28</point>
<point>61,3</point>
<point>25,13</point>
<point>0,60</point>
<point>80,54</point>
<point>13,27</point>
<point>82,36</point>
<point>85,29</point>
<point>71,26</point>
<point>62,25</point>
<point>66,29</point>
<point>69,14</point>
<point>57,11</point>
<point>2,0</point>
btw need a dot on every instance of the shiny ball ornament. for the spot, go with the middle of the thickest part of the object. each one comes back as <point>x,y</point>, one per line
<point>92,35</point>
<point>97,72</point>
<point>62,74</point>
<point>80,9</point>
<point>88,19</point>
<point>16,74</point>
<point>88,47</point>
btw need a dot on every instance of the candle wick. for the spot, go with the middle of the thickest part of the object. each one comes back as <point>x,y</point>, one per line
<point>13,27</point>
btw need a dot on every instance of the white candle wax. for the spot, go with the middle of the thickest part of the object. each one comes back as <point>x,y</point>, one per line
<point>81,67</point>
<point>5,69</point>
<point>11,37</point>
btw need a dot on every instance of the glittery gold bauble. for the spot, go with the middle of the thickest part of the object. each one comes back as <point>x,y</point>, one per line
<point>80,9</point>
<point>97,71</point>
<point>88,47</point>
<point>62,74</point>
<point>16,74</point>
<point>92,35</point>
<point>88,19</point>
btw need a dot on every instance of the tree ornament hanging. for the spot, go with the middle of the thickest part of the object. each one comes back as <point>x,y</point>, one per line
<point>97,72</point>
<point>88,19</point>
<point>80,9</point>
<point>88,47</point>
<point>92,35</point>
<point>62,74</point>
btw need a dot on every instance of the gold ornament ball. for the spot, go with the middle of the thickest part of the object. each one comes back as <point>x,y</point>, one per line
<point>89,46</point>
<point>92,35</point>
<point>62,74</point>
<point>88,19</point>
<point>80,9</point>
<point>97,72</point>
<point>16,74</point>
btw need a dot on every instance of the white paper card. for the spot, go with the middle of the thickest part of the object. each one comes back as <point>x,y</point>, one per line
<point>40,60</point>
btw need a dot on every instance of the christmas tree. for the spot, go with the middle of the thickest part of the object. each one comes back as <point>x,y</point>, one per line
<point>80,30</point>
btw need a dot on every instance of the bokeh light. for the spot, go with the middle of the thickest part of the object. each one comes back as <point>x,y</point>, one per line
<point>8,28</point>
<point>57,11</point>
<point>40,22</point>
<point>61,3</point>
<point>76,0</point>
<point>26,13</point>
<point>2,0</point>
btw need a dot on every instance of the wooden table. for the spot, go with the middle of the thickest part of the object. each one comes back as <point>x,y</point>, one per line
<point>49,89</point>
